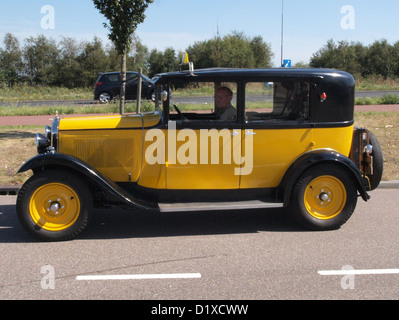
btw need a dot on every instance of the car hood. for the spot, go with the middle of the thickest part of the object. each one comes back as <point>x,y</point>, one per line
<point>110,122</point>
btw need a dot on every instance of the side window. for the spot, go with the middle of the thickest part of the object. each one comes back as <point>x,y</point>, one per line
<point>204,101</point>
<point>112,78</point>
<point>277,101</point>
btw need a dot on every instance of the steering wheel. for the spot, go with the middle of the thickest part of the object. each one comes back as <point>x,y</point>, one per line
<point>181,116</point>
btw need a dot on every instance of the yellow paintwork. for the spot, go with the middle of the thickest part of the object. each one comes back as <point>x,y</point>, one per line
<point>112,144</point>
<point>207,166</point>
<point>110,122</point>
<point>40,207</point>
<point>179,164</point>
<point>117,146</point>
<point>153,175</point>
<point>338,139</point>
<point>115,153</point>
<point>275,150</point>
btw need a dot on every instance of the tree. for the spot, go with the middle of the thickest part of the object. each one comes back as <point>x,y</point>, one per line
<point>232,51</point>
<point>69,72</point>
<point>325,57</point>
<point>123,18</point>
<point>262,52</point>
<point>236,51</point>
<point>380,59</point>
<point>343,55</point>
<point>205,54</point>
<point>160,62</point>
<point>138,56</point>
<point>40,55</point>
<point>10,60</point>
<point>92,61</point>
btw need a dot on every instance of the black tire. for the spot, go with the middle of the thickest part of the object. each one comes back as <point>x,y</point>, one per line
<point>378,162</point>
<point>105,97</point>
<point>324,197</point>
<point>54,206</point>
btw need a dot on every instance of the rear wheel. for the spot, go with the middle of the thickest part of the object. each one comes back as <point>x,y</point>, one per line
<point>54,206</point>
<point>324,197</point>
<point>105,97</point>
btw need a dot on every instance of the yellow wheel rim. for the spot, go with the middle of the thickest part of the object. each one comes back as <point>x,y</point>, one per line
<point>54,207</point>
<point>325,197</point>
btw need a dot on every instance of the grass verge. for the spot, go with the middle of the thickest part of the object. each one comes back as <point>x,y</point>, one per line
<point>385,99</point>
<point>17,145</point>
<point>73,109</point>
<point>30,93</point>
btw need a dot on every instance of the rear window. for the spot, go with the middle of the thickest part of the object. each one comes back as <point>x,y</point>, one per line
<point>271,101</point>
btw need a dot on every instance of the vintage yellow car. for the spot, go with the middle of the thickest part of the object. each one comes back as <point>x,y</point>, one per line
<point>218,139</point>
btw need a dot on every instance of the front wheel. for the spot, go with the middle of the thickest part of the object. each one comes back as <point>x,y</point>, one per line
<point>54,206</point>
<point>324,197</point>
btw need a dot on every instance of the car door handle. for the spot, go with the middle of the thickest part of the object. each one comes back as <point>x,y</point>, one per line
<point>250,133</point>
<point>234,133</point>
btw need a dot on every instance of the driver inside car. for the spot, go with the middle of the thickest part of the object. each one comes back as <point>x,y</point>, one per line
<point>224,109</point>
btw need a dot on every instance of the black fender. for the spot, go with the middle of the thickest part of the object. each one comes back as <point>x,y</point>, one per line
<point>311,158</point>
<point>110,188</point>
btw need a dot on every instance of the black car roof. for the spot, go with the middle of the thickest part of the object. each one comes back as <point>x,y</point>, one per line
<point>116,72</point>
<point>254,74</point>
<point>338,85</point>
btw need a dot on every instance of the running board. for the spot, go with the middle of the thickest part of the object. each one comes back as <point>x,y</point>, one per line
<point>217,206</point>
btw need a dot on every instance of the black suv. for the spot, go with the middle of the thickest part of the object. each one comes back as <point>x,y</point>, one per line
<point>108,86</point>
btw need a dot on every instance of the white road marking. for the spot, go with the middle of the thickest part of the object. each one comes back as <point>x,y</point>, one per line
<point>139,277</point>
<point>357,272</point>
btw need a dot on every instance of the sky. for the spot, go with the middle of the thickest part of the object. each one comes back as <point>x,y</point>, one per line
<point>308,24</point>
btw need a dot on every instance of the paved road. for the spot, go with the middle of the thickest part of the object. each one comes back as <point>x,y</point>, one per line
<point>235,255</point>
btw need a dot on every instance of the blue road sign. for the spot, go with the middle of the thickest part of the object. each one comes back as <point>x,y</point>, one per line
<point>287,64</point>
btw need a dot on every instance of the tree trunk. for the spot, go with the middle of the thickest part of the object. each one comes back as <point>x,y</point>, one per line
<point>123,84</point>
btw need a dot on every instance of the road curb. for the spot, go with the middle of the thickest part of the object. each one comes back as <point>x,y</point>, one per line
<point>9,190</point>
<point>394,184</point>
<point>13,190</point>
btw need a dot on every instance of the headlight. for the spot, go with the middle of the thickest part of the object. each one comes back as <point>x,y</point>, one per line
<point>47,131</point>
<point>368,149</point>
<point>49,141</point>
<point>54,133</point>
<point>42,143</point>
